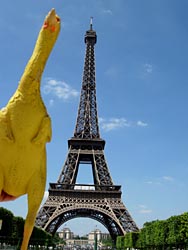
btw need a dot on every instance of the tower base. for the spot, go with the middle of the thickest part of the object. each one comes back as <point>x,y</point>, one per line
<point>101,203</point>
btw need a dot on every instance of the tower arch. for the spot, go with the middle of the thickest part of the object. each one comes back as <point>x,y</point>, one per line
<point>102,215</point>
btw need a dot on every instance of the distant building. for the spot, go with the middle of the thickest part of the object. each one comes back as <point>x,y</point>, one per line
<point>71,239</point>
<point>97,234</point>
<point>66,234</point>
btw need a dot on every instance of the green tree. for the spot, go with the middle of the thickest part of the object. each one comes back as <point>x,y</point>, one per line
<point>41,237</point>
<point>108,242</point>
<point>12,231</point>
<point>184,228</point>
<point>149,235</point>
<point>120,242</point>
<point>130,240</point>
<point>18,227</point>
<point>173,237</point>
<point>7,222</point>
<point>141,242</point>
<point>160,234</point>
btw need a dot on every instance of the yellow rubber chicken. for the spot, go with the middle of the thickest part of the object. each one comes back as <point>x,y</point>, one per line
<point>25,128</point>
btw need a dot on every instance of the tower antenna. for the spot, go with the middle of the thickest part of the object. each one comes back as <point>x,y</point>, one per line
<point>91,23</point>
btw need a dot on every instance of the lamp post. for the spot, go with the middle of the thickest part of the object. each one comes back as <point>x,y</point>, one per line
<point>95,242</point>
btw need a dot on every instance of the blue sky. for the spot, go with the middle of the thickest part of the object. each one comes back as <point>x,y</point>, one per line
<point>142,93</point>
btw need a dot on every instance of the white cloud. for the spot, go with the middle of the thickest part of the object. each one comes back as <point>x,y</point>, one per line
<point>107,11</point>
<point>142,124</point>
<point>153,182</point>
<point>144,210</point>
<point>160,180</point>
<point>149,182</point>
<point>111,72</point>
<point>148,68</point>
<point>167,178</point>
<point>116,123</point>
<point>46,193</point>
<point>59,89</point>
<point>113,123</point>
<point>51,102</point>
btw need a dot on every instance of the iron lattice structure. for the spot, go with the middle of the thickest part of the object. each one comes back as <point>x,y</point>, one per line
<point>102,200</point>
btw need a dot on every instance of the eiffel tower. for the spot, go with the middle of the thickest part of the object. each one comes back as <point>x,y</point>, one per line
<point>102,200</point>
